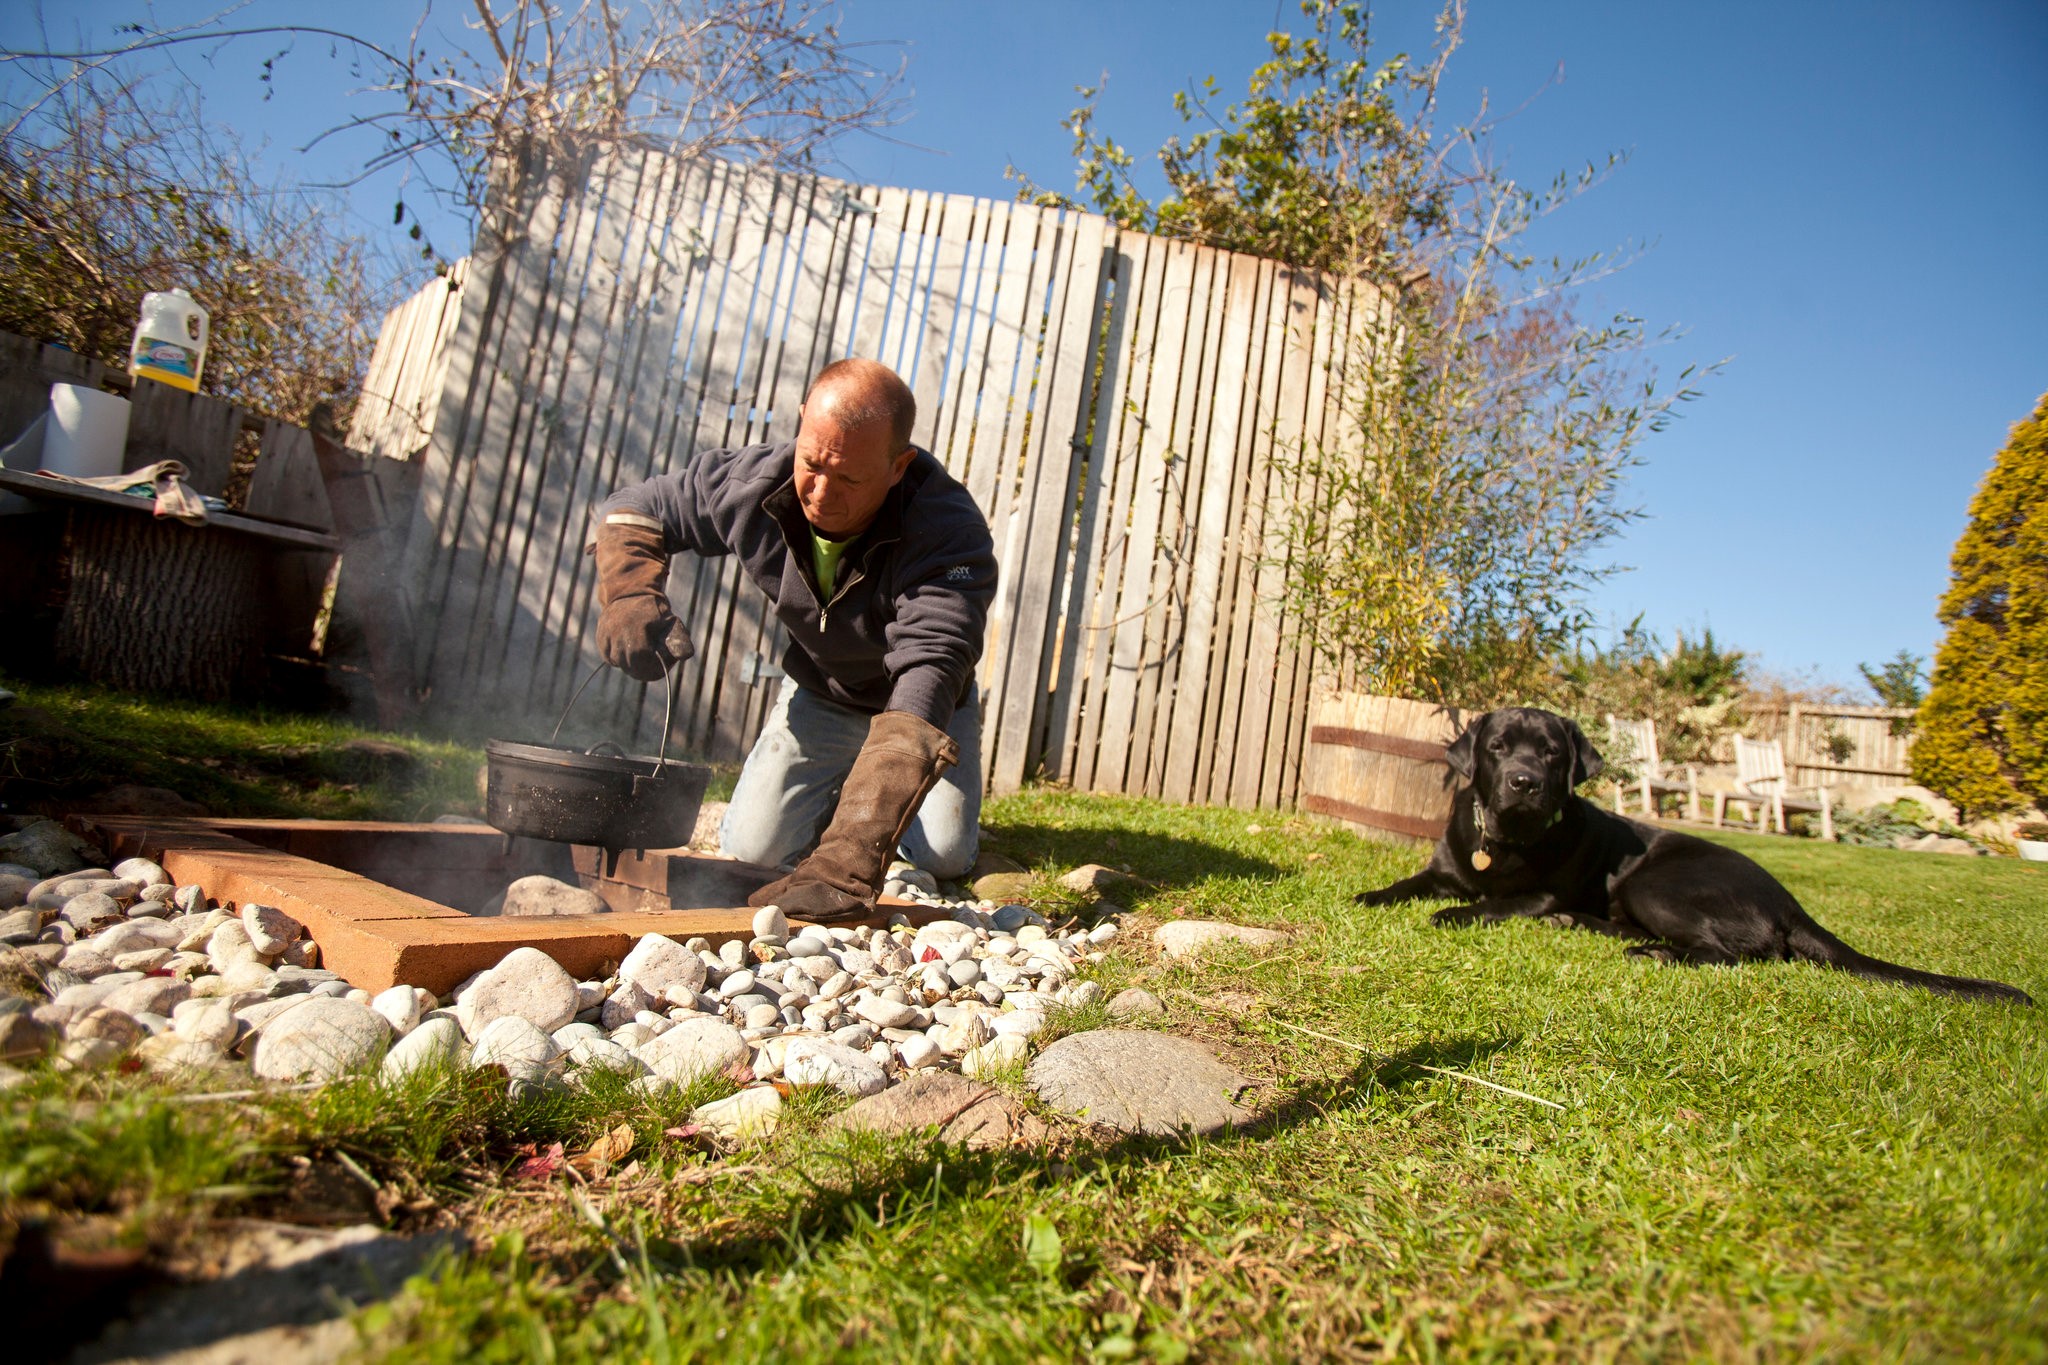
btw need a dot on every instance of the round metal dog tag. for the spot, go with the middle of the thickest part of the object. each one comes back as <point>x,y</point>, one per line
<point>1481,860</point>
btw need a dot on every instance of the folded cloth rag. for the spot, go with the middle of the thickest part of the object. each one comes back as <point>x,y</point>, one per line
<point>165,480</point>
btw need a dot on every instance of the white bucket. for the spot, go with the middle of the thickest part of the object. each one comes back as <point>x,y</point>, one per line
<point>87,434</point>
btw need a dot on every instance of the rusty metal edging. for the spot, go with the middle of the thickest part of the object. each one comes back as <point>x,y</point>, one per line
<point>1400,746</point>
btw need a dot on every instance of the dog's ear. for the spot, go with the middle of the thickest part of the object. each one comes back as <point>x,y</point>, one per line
<point>1460,754</point>
<point>1586,761</point>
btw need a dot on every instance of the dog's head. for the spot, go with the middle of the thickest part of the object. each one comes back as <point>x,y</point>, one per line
<point>1523,765</point>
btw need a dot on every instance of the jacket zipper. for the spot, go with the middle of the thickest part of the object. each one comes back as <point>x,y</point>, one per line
<point>825,609</point>
<point>846,584</point>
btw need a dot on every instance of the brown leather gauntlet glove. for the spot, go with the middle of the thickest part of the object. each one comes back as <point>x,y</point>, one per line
<point>902,759</point>
<point>637,632</point>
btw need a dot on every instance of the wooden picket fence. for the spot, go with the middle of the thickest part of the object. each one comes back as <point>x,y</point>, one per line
<point>1873,755</point>
<point>1119,405</point>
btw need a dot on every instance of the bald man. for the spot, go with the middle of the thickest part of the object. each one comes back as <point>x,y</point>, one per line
<point>880,567</point>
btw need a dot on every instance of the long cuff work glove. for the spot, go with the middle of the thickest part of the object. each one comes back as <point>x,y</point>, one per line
<point>637,632</point>
<point>902,760</point>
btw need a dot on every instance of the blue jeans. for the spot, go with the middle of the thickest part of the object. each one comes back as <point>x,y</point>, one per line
<point>790,785</point>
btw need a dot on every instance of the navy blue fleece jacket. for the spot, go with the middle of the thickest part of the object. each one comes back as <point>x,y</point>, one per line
<point>903,628</point>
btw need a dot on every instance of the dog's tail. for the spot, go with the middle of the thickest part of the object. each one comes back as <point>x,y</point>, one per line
<point>1812,943</point>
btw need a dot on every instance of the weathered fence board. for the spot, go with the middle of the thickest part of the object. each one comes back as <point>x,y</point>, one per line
<point>1123,408</point>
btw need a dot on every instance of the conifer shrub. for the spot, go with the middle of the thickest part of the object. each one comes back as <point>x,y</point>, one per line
<point>1984,726</point>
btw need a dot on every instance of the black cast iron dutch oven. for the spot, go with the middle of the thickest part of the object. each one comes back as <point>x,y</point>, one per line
<point>612,799</point>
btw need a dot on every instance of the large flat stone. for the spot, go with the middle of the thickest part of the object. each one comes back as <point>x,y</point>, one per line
<point>962,1111</point>
<point>1187,937</point>
<point>1140,1082</point>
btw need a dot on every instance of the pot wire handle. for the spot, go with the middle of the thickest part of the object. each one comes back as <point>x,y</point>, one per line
<point>668,712</point>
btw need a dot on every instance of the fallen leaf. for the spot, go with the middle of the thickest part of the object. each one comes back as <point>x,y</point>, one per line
<point>614,1145</point>
<point>541,1166</point>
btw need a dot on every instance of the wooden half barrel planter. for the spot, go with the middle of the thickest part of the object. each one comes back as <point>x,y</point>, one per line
<point>1377,764</point>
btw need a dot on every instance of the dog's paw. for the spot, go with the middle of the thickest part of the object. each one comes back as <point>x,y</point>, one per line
<point>1457,917</point>
<point>1563,919</point>
<point>1655,952</point>
<point>1369,898</point>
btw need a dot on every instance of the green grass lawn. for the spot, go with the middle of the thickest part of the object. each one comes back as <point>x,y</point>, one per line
<point>61,744</point>
<point>1765,1162</point>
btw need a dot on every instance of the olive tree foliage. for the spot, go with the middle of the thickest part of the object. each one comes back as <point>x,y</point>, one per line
<point>110,189</point>
<point>534,81</point>
<point>1983,729</point>
<point>769,82</point>
<point>1452,516</point>
<point>115,184</point>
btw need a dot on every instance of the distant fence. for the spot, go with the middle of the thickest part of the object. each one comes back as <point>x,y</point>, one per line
<point>1873,755</point>
<point>1114,402</point>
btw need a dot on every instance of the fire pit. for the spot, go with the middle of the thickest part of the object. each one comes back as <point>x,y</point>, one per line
<point>375,895</point>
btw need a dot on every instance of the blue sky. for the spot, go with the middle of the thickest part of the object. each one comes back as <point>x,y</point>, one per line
<point>1850,202</point>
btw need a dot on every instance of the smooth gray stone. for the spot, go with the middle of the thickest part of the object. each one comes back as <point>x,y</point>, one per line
<point>131,934</point>
<point>47,848</point>
<point>1133,1002</point>
<point>854,1036</point>
<point>23,1035</point>
<point>151,995</point>
<point>1140,1082</point>
<point>1187,937</point>
<point>432,1042</point>
<point>814,1061</point>
<point>514,1043</point>
<point>320,1038</point>
<point>663,969</point>
<point>962,1111</point>
<point>20,926</point>
<point>1009,919</point>
<point>270,929</point>
<point>541,896</point>
<point>142,871</point>
<point>526,983</point>
<point>694,1048</point>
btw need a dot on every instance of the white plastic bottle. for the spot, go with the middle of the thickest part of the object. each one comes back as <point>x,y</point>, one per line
<point>170,341</point>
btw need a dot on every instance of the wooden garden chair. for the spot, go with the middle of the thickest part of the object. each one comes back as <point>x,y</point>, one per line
<point>1760,781</point>
<point>1637,741</point>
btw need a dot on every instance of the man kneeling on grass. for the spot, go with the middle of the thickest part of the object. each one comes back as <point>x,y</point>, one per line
<point>881,568</point>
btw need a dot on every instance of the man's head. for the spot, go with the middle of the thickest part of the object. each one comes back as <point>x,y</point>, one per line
<point>852,444</point>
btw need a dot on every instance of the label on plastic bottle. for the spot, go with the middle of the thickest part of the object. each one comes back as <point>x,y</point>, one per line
<point>168,361</point>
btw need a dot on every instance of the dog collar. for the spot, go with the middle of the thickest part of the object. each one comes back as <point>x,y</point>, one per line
<point>1481,859</point>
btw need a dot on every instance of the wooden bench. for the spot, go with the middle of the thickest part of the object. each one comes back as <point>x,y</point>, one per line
<point>1635,742</point>
<point>1760,781</point>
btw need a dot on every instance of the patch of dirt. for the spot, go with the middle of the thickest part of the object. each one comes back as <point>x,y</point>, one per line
<point>265,1293</point>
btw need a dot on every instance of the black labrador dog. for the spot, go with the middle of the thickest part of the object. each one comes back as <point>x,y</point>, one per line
<point>1520,843</point>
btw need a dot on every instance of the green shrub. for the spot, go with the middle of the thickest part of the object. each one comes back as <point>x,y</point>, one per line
<point>1984,726</point>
